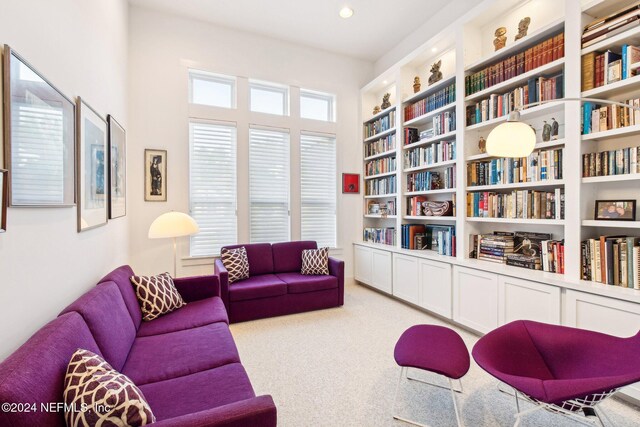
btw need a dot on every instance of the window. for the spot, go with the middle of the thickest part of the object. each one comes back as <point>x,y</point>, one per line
<point>212,89</point>
<point>269,98</point>
<point>317,105</point>
<point>212,186</point>
<point>318,188</point>
<point>268,185</point>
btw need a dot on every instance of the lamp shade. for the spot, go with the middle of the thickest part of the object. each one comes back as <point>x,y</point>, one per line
<point>173,224</point>
<point>511,139</point>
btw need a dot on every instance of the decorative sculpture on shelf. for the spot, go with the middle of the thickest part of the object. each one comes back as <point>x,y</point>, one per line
<point>523,27</point>
<point>416,84</point>
<point>436,74</point>
<point>376,109</point>
<point>501,38</point>
<point>546,131</point>
<point>482,145</point>
<point>385,101</point>
<point>554,129</point>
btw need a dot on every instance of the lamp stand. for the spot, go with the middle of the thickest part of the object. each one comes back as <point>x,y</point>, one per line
<point>175,258</point>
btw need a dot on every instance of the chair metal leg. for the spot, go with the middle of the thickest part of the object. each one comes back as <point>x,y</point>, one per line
<point>455,403</point>
<point>395,396</point>
<point>436,385</point>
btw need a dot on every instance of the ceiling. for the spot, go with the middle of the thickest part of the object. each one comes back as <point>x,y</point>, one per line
<point>375,27</point>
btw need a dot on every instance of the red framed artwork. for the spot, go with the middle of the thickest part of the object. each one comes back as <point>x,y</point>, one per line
<point>351,183</point>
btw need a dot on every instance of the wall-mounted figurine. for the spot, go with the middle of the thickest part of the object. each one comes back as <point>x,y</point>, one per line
<point>554,128</point>
<point>482,145</point>
<point>376,110</point>
<point>385,101</point>
<point>523,27</point>
<point>546,131</point>
<point>501,38</point>
<point>416,84</point>
<point>436,74</point>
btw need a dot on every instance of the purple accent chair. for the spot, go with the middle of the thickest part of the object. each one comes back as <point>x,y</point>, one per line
<point>185,362</point>
<point>560,369</point>
<point>275,286</point>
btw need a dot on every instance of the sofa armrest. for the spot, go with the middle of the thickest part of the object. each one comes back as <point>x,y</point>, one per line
<point>197,287</point>
<point>223,278</point>
<point>336,268</point>
<point>256,412</point>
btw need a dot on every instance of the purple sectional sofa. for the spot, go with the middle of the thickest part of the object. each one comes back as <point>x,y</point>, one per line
<point>275,286</point>
<point>185,362</point>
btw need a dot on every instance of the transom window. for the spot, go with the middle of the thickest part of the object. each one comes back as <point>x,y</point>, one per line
<point>215,90</point>
<point>269,98</point>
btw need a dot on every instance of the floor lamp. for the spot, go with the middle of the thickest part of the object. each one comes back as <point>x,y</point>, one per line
<point>174,225</point>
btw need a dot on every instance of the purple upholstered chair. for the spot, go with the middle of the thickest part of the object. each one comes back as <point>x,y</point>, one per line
<point>560,369</point>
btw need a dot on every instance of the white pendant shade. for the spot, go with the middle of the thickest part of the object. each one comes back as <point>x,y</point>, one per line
<point>173,224</point>
<point>511,139</point>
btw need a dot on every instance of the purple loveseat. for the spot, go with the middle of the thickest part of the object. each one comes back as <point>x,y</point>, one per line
<point>185,362</point>
<point>275,286</point>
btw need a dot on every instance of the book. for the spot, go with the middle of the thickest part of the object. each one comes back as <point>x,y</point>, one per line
<point>588,71</point>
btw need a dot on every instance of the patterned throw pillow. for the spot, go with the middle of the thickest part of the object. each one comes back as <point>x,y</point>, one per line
<point>236,263</point>
<point>100,395</point>
<point>315,261</point>
<point>157,295</point>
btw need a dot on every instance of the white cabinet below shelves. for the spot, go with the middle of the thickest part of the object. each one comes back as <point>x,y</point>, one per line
<point>362,266</point>
<point>475,299</point>
<point>405,278</point>
<point>524,300</point>
<point>381,277</point>
<point>435,287</point>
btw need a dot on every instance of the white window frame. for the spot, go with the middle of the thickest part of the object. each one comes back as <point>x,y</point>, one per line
<point>275,88</point>
<point>216,78</point>
<point>323,96</point>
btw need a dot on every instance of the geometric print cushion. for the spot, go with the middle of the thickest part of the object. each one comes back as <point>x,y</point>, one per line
<point>235,261</point>
<point>315,261</point>
<point>98,395</point>
<point>157,295</point>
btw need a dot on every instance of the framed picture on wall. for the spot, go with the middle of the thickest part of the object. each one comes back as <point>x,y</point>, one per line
<point>4,195</point>
<point>350,183</point>
<point>155,175</point>
<point>117,169</point>
<point>92,167</point>
<point>39,137</point>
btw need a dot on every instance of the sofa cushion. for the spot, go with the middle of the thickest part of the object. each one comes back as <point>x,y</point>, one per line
<point>192,315</point>
<point>161,357</point>
<point>287,256</point>
<point>298,283</point>
<point>260,257</point>
<point>121,277</point>
<point>35,372</point>
<point>107,394</point>
<point>236,263</point>
<point>157,295</point>
<point>106,314</point>
<point>264,286</point>
<point>198,392</point>
<point>315,262</point>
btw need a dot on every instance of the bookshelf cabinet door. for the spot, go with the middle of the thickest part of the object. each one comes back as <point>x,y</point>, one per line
<point>405,278</point>
<point>381,270</point>
<point>475,299</point>
<point>362,270</point>
<point>607,315</point>
<point>435,287</point>
<point>524,300</point>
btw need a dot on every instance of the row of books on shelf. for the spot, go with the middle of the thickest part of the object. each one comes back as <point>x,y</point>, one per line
<point>620,21</point>
<point>520,204</point>
<point>599,118</point>
<point>379,146</point>
<point>439,238</point>
<point>541,54</point>
<point>599,69</point>
<point>412,135</point>
<point>540,165</point>
<point>430,180</point>
<point>380,186</point>
<point>613,162</point>
<point>437,100</point>
<point>382,209</point>
<point>379,235</point>
<point>535,251</point>
<point>380,125</point>
<point>498,105</point>
<point>420,206</point>
<point>442,123</point>
<point>437,152</point>
<point>612,260</point>
<point>378,166</point>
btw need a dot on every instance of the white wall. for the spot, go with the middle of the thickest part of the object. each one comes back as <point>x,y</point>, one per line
<point>162,47</point>
<point>81,47</point>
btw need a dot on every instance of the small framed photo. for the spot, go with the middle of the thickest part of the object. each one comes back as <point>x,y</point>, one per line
<point>155,175</point>
<point>350,183</point>
<point>118,169</point>
<point>4,199</point>
<point>615,210</point>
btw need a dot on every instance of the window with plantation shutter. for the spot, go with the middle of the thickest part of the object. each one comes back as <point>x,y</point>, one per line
<point>212,186</point>
<point>268,185</point>
<point>318,188</point>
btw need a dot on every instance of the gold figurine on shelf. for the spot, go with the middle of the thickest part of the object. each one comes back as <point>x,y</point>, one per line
<point>523,27</point>
<point>482,145</point>
<point>376,109</point>
<point>385,101</point>
<point>416,84</point>
<point>436,74</point>
<point>501,38</point>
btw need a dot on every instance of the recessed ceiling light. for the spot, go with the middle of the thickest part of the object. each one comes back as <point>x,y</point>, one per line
<point>385,82</point>
<point>346,12</point>
<point>434,49</point>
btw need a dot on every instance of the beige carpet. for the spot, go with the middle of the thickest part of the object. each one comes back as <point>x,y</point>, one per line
<point>335,368</point>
